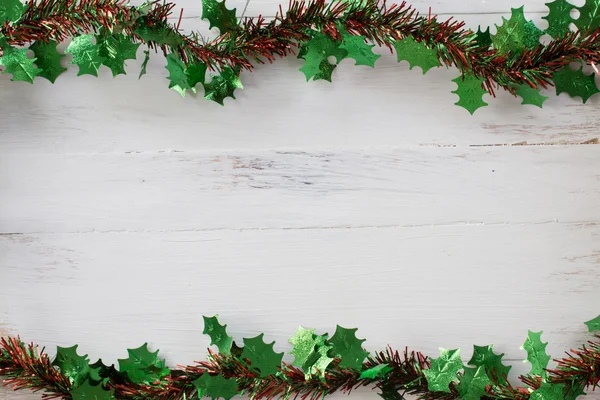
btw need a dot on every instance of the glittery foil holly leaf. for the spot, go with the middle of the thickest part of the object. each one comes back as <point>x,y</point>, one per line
<point>357,49</point>
<point>144,64</point>
<point>262,356</point>
<point>443,370</point>
<point>470,93</point>
<point>158,33</point>
<point>473,383</point>
<point>559,18</point>
<point>89,392</point>
<point>15,62</point>
<point>183,78</point>
<point>101,374</point>
<point>218,334</point>
<point>143,366</point>
<point>316,53</point>
<point>589,16</point>
<point>216,386</point>
<point>484,356</point>
<point>219,16</point>
<point>348,348</point>
<point>115,49</point>
<point>575,83</point>
<point>72,365</point>
<point>536,353</point>
<point>222,86</point>
<point>530,95</point>
<point>548,391</point>
<point>47,58</point>
<point>304,344</point>
<point>483,38</point>
<point>532,35</point>
<point>418,54</point>
<point>510,36</point>
<point>85,54</point>
<point>10,10</point>
<point>593,324</point>
<point>378,371</point>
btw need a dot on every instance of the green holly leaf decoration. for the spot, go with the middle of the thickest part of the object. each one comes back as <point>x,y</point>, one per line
<point>510,36</point>
<point>575,83</point>
<point>222,86</point>
<point>484,356</point>
<point>589,16</point>
<point>101,374</point>
<point>310,352</point>
<point>183,78</point>
<point>219,16</point>
<point>72,365</point>
<point>143,366</point>
<point>418,54</point>
<point>378,371</point>
<point>470,93</point>
<point>348,348</point>
<point>548,391</point>
<point>483,38</point>
<point>115,49</point>
<point>262,356</point>
<point>16,63</point>
<point>161,34</point>
<point>357,49</point>
<point>532,35</point>
<point>443,370</point>
<point>473,383</point>
<point>144,64</point>
<point>10,10</point>
<point>559,18</point>
<point>316,53</point>
<point>216,386</point>
<point>217,332</point>
<point>593,324</point>
<point>85,54</point>
<point>531,95</point>
<point>574,391</point>
<point>536,353</point>
<point>47,59</point>
<point>89,392</point>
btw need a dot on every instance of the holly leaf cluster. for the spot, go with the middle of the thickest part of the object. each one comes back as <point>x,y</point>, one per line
<point>142,366</point>
<point>418,54</point>
<point>216,386</point>
<point>219,16</point>
<point>444,370</point>
<point>184,77</point>
<point>218,334</point>
<point>536,353</point>
<point>72,365</point>
<point>316,53</point>
<point>348,348</point>
<point>261,355</point>
<point>484,356</point>
<point>222,86</point>
<point>115,49</point>
<point>575,83</point>
<point>16,62</point>
<point>470,93</point>
<point>310,352</point>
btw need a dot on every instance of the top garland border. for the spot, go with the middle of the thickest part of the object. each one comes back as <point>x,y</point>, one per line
<point>109,32</point>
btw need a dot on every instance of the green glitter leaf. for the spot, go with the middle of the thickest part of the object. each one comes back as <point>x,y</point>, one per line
<point>304,343</point>
<point>262,356</point>
<point>357,49</point>
<point>183,78</point>
<point>217,332</point>
<point>16,63</point>
<point>548,391</point>
<point>473,382</point>
<point>470,93</point>
<point>47,58</point>
<point>143,366</point>
<point>85,54</point>
<point>115,49</point>
<point>348,348</point>
<point>144,64</point>
<point>418,54</point>
<point>559,18</point>
<point>536,353</point>
<point>484,356</point>
<point>222,86</point>
<point>216,386</point>
<point>593,324</point>
<point>72,365</point>
<point>575,83</point>
<point>160,34</point>
<point>378,371</point>
<point>10,10</point>
<point>510,36</point>
<point>316,53</point>
<point>219,16</point>
<point>101,374</point>
<point>530,95</point>
<point>443,370</point>
<point>318,362</point>
<point>89,392</point>
<point>589,16</point>
<point>484,39</point>
<point>532,35</point>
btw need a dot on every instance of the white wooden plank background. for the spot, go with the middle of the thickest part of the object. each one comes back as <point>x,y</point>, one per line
<point>127,212</point>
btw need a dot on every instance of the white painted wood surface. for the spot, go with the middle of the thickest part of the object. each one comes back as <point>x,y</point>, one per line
<point>127,212</point>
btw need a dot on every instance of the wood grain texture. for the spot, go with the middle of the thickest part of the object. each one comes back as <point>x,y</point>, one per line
<point>126,212</point>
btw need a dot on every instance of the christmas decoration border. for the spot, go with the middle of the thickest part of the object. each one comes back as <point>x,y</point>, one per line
<point>322,365</point>
<point>109,32</point>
